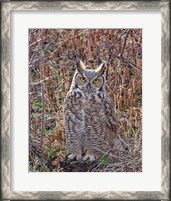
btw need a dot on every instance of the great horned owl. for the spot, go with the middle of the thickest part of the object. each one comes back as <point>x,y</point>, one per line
<point>89,117</point>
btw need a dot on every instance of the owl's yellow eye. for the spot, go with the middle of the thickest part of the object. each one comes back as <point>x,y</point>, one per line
<point>96,80</point>
<point>82,79</point>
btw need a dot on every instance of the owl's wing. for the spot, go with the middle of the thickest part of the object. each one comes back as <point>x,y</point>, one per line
<point>110,113</point>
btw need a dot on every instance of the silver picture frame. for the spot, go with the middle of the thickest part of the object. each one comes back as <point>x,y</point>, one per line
<point>7,7</point>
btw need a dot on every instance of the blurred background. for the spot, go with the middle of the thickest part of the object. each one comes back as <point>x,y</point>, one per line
<point>53,57</point>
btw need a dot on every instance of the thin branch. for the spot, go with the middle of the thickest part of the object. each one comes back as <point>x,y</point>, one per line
<point>37,41</point>
<point>124,60</point>
<point>42,90</point>
<point>112,47</point>
<point>88,46</point>
<point>124,43</point>
<point>119,38</point>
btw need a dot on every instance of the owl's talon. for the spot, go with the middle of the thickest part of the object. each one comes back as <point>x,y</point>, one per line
<point>78,157</point>
<point>85,158</point>
<point>89,156</point>
<point>71,157</point>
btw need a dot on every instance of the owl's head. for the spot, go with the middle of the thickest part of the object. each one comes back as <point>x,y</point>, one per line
<point>90,81</point>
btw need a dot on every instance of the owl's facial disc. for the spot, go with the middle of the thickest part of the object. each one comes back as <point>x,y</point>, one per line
<point>81,80</point>
<point>98,82</point>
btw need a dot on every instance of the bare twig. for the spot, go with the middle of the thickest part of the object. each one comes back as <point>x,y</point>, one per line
<point>124,60</point>
<point>42,90</point>
<point>124,43</point>
<point>88,46</point>
<point>119,39</point>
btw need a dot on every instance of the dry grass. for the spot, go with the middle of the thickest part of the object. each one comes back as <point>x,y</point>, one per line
<point>53,56</point>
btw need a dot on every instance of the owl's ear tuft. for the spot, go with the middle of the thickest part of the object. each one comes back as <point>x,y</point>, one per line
<point>101,69</point>
<point>81,66</point>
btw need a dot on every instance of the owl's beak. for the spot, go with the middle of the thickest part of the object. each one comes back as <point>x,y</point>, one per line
<point>89,86</point>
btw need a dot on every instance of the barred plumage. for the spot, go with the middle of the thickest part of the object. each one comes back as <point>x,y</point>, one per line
<point>90,123</point>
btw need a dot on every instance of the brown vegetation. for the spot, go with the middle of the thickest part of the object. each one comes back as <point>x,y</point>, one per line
<point>53,56</point>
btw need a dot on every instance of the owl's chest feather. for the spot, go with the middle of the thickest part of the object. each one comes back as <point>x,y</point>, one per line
<point>78,97</point>
<point>91,105</point>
